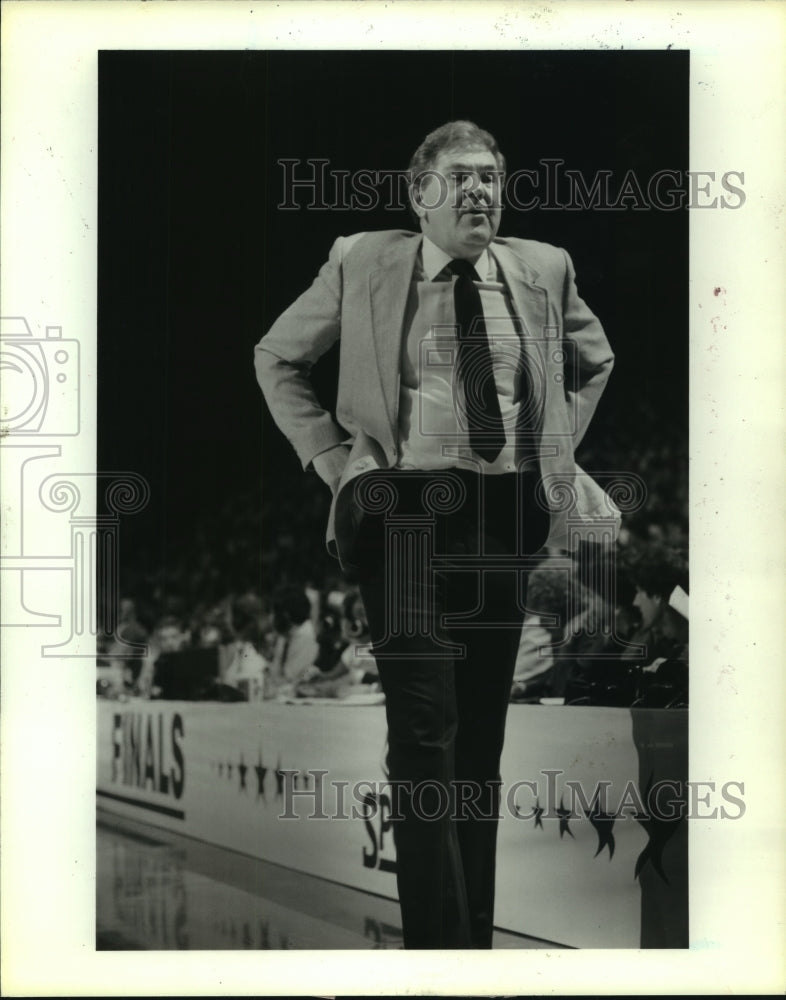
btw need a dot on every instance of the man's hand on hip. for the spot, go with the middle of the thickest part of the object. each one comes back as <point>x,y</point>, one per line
<point>329,465</point>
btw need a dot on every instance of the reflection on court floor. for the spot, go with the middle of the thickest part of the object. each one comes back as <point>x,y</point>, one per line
<point>157,890</point>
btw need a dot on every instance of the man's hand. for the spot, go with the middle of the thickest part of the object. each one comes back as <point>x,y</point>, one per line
<point>329,465</point>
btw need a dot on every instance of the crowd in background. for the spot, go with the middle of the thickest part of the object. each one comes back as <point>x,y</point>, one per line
<point>256,584</point>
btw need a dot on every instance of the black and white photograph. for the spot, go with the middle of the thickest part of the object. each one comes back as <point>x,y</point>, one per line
<point>318,711</point>
<point>395,581</point>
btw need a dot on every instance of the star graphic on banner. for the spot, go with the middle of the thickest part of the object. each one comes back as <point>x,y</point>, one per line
<point>279,780</point>
<point>242,767</point>
<point>602,823</point>
<point>659,833</point>
<point>538,813</point>
<point>564,817</point>
<point>264,934</point>
<point>261,773</point>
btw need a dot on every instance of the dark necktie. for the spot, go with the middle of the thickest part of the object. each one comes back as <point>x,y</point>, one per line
<point>484,420</point>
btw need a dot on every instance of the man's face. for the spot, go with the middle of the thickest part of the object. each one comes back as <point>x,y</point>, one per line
<point>170,639</point>
<point>459,210</point>
<point>649,606</point>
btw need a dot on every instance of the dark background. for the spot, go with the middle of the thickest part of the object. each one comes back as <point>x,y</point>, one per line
<point>196,261</point>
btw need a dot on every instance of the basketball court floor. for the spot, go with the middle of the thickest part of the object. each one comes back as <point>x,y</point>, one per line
<point>161,891</point>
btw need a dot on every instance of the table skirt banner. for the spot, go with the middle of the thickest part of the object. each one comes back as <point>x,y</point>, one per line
<point>583,860</point>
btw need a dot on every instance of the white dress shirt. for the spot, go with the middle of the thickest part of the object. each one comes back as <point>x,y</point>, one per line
<point>432,425</point>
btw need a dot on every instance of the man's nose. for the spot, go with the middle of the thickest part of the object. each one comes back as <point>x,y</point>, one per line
<point>480,191</point>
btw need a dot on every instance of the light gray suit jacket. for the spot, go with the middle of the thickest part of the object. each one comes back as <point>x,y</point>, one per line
<point>359,297</point>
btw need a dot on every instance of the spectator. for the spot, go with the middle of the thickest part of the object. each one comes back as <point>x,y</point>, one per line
<point>656,571</point>
<point>296,648</point>
<point>168,637</point>
<point>248,669</point>
<point>130,631</point>
<point>330,637</point>
<point>356,668</point>
<point>357,657</point>
<point>542,627</point>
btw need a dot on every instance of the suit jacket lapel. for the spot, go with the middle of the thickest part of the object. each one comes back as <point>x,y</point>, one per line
<point>531,303</point>
<point>530,299</point>
<point>389,284</point>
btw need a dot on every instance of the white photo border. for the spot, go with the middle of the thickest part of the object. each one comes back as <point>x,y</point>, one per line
<point>49,209</point>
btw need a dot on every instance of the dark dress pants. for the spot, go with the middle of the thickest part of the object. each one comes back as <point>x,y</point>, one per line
<point>446,707</point>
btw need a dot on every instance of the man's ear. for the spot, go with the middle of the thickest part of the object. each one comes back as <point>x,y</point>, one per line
<point>414,200</point>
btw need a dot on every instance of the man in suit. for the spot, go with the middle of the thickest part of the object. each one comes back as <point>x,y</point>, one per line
<point>469,371</point>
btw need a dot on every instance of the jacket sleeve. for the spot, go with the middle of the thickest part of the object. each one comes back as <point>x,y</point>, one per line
<point>284,356</point>
<point>589,358</point>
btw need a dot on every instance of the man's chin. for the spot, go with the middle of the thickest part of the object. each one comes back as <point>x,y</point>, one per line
<point>478,228</point>
<point>479,236</point>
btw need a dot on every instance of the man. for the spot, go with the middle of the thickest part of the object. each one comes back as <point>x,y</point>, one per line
<point>657,572</point>
<point>469,371</point>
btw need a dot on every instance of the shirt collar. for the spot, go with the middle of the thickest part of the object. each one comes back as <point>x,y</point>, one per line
<point>435,259</point>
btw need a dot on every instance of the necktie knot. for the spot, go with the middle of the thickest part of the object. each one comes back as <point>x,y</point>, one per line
<point>462,268</point>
